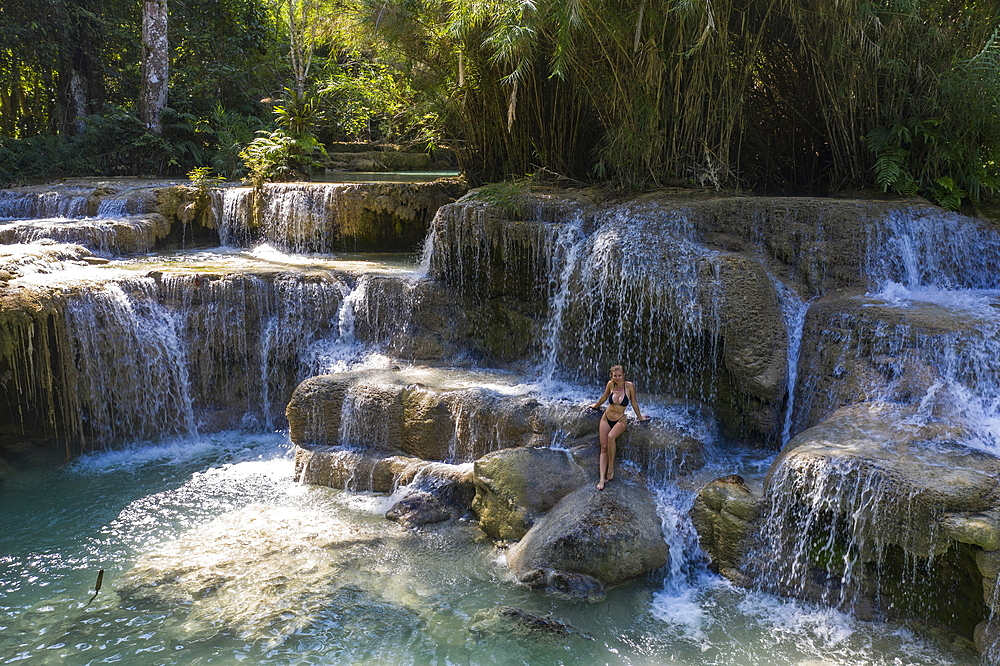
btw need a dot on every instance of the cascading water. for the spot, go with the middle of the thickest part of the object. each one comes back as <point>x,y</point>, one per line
<point>917,356</point>
<point>322,576</point>
<point>149,393</point>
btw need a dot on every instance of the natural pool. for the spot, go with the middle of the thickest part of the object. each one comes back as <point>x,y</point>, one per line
<point>394,597</point>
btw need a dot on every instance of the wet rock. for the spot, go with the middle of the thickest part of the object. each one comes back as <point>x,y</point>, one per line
<point>374,471</point>
<point>874,492</point>
<point>517,622</point>
<point>611,535</point>
<point>391,412</point>
<point>723,515</point>
<point>754,342</point>
<point>419,508</point>
<point>515,486</point>
<point>563,584</point>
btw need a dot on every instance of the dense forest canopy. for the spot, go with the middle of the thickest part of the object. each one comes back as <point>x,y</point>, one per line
<point>778,94</point>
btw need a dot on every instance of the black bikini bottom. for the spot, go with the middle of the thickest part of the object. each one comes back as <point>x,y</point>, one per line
<point>613,423</point>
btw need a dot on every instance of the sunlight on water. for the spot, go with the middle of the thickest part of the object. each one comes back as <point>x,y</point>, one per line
<point>212,555</point>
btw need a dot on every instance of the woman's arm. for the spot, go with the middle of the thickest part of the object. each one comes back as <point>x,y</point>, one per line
<point>630,387</point>
<point>604,396</point>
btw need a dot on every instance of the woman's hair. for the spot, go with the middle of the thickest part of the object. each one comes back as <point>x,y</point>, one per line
<point>616,367</point>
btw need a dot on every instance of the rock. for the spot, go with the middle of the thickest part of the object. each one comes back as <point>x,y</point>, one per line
<point>855,504</point>
<point>754,341</point>
<point>564,584</point>
<point>394,412</point>
<point>419,508</point>
<point>374,471</point>
<point>517,622</point>
<point>260,573</point>
<point>978,529</point>
<point>723,515</point>
<point>516,485</point>
<point>611,535</point>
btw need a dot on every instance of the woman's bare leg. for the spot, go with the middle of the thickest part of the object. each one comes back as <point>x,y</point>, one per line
<point>612,447</point>
<point>603,428</point>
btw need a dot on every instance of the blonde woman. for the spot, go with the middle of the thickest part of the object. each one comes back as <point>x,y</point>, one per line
<point>619,394</point>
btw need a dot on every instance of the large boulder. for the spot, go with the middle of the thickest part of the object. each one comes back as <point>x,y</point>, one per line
<point>611,536</point>
<point>515,486</point>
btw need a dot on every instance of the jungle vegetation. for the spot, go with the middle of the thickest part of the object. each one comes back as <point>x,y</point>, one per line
<point>776,95</point>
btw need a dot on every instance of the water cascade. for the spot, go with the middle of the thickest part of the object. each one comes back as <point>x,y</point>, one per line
<point>449,397</point>
<point>870,507</point>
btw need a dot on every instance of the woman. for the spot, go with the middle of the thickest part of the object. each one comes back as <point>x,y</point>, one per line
<point>619,394</point>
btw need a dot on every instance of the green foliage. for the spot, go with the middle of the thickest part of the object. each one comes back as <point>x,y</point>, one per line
<point>951,157</point>
<point>510,197</point>
<point>276,156</point>
<point>202,180</point>
<point>297,113</point>
<point>224,52</point>
<point>232,131</point>
<point>364,102</point>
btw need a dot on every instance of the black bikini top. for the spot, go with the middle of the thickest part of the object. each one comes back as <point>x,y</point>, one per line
<point>624,402</point>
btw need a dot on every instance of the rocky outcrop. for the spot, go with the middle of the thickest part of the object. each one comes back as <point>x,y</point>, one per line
<point>392,413</point>
<point>440,418</point>
<point>107,236</point>
<point>873,495</point>
<point>609,536</point>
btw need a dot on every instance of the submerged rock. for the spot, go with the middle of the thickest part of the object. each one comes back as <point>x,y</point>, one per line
<point>262,573</point>
<point>519,623</point>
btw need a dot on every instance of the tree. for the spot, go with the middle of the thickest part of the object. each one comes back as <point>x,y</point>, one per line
<point>155,63</point>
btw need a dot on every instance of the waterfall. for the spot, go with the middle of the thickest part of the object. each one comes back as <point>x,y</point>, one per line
<point>929,248</point>
<point>941,272</point>
<point>568,242</point>
<point>71,203</point>
<point>613,303</point>
<point>794,310</point>
<point>818,517</point>
<point>190,353</point>
<point>148,394</point>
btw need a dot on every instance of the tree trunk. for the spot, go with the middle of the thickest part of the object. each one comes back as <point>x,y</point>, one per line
<point>155,57</point>
<point>78,93</point>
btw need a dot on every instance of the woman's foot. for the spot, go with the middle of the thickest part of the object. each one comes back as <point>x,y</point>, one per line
<point>600,486</point>
<point>610,476</point>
